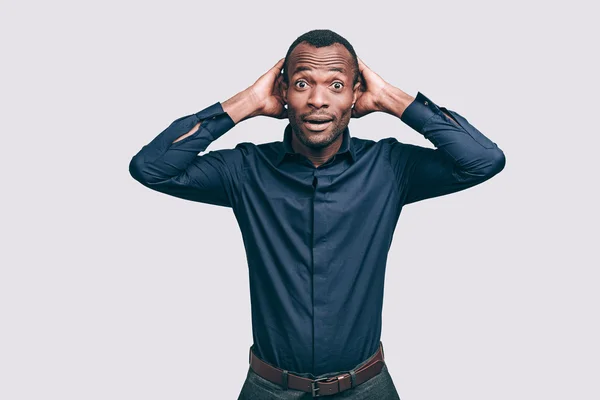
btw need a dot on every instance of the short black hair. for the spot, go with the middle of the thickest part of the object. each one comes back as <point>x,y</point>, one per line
<point>321,38</point>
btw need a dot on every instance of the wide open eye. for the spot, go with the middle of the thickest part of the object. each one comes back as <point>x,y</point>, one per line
<point>301,87</point>
<point>338,85</point>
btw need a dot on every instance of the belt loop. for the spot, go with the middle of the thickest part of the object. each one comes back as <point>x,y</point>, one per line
<point>352,378</point>
<point>285,379</point>
<point>250,356</point>
<point>382,353</point>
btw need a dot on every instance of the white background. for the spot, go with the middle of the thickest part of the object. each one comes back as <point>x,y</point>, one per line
<point>109,290</point>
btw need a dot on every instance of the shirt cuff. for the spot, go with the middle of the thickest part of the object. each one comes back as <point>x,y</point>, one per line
<point>210,111</point>
<point>217,120</point>
<point>419,112</point>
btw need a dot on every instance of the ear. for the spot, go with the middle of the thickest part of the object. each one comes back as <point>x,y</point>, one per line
<point>283,87</point>
<point>355,91</point>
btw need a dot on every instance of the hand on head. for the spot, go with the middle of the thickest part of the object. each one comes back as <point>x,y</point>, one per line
<point>267,94</point>
<point>371,91</point>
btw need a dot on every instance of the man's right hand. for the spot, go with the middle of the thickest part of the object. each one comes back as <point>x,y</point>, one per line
<point>266,90</point>
<point>262,98</point>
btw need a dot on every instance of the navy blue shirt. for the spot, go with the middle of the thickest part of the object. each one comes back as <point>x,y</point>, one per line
<point>317,238</point>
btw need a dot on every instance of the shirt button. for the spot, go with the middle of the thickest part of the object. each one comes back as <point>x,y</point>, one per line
<point>426,103</point>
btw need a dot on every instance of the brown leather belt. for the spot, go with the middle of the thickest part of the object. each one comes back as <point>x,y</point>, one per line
<point>322,386</point>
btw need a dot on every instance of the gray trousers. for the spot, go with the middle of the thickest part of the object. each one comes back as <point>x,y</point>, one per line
<point>379,387</point>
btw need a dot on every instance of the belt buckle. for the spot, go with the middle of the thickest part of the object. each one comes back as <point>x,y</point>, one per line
<point>313,385</point>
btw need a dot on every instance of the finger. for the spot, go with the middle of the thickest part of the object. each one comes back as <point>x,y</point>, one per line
<point>279,65</point>
<point>361,64</point>
<point>363,82</point>
<point>275,71</point>
<point>361,78</point>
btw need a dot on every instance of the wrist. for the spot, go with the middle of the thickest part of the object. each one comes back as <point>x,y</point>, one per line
<point>242,106</point>
<point>394,101</point>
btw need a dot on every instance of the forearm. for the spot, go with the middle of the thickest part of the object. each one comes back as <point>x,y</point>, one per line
<point>194,129</point>
<point>395,101</point>
<point>470,150</point>
<point>242,106</point>
<point>169,153</point>
<point>239,107</point>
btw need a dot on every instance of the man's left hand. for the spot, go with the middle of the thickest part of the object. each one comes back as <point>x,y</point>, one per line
<point>371,92</point>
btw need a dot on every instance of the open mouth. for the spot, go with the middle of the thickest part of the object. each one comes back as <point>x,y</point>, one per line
<point>317,124</point>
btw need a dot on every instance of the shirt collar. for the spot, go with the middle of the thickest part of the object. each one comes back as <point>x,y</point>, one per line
<point>286,145</point>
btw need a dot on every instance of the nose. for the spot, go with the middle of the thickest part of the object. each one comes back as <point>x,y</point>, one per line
<point>318,97</point>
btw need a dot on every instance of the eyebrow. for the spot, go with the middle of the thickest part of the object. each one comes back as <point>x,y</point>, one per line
<point>305,68</point>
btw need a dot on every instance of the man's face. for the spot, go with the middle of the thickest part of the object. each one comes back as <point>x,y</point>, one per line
<point>320,88</point>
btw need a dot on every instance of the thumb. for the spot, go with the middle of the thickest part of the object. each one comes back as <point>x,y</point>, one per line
<point>278,66</point>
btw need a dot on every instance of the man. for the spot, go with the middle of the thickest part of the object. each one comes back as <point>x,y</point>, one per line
<point>317,210</point>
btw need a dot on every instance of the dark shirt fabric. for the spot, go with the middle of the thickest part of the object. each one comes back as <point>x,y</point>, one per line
<point>317,239</point>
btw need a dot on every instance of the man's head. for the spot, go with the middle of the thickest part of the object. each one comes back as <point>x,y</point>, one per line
<point>320,82</point>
